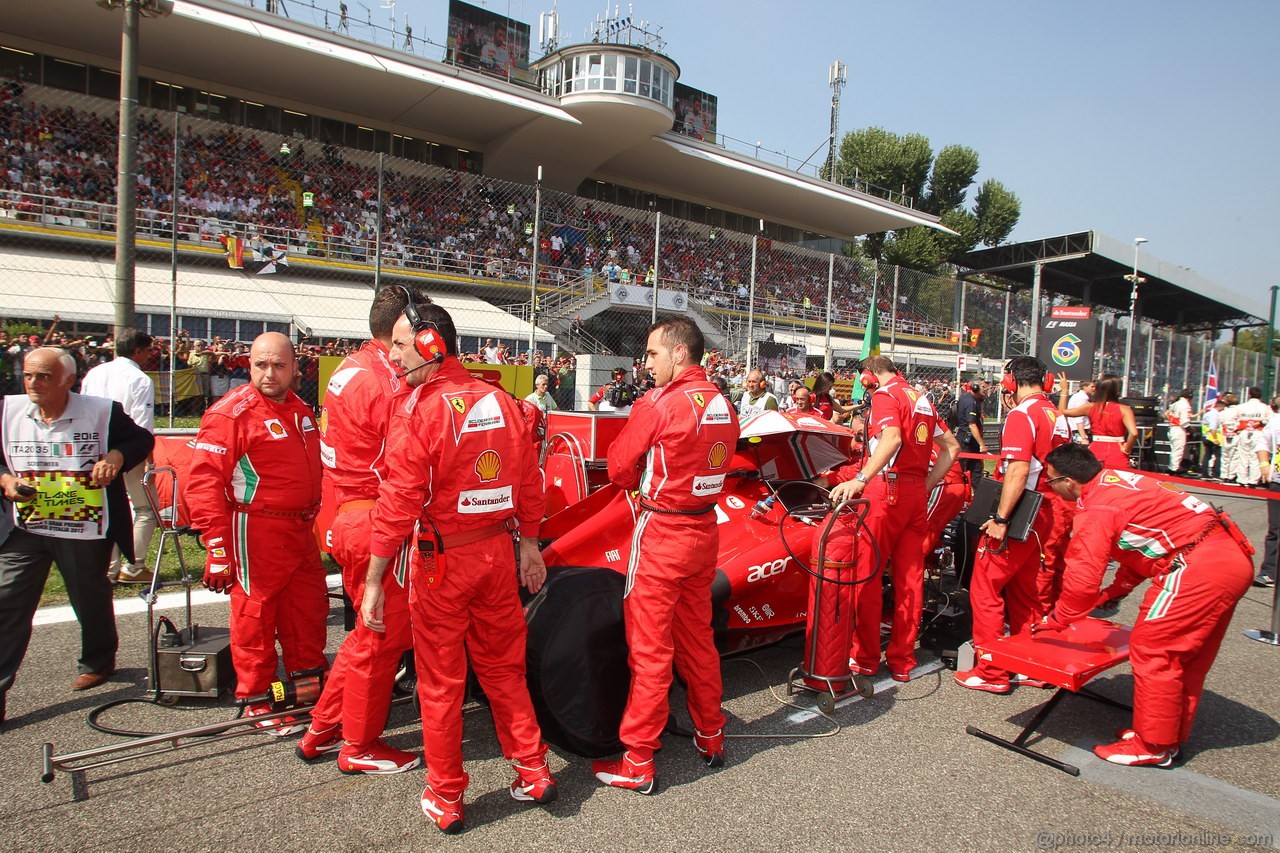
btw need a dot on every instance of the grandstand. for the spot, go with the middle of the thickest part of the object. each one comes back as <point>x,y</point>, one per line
<point>314,203</point>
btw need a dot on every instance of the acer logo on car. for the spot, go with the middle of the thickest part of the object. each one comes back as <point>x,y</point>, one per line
<point>767,570</point>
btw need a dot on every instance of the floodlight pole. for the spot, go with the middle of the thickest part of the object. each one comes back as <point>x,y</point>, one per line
<point>1271,343</point>
<point>533,275</point>
<point>826,344</point>
<point>126,163</point>
<point>1134,280</point>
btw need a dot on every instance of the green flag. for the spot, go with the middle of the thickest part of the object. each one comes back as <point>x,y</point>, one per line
<point>870,344</point>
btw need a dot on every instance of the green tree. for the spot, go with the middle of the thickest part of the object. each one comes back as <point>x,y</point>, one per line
<point>886,161</point>
<point>954,170</point>
<point>997,211</point>
<point>913,248</point>
<point>881,162</point>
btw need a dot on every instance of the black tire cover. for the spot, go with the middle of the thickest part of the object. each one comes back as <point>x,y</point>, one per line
<point>577,659</point>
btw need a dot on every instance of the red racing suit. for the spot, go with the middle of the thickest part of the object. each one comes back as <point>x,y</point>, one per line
<point>676,449</point>
<point>948,499</point>
<point>1199,567</point>
<point>253,492</point>
<point>1004,583</point>
<point>353,430</point>
<point>461,470</point>
<point>897,524</point>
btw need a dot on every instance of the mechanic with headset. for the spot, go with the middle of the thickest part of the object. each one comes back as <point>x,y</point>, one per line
<point>352,711</point>
<point>1200,567</point>
<point>1005,574</point>
<point>254,491</point>
<point>462,475</point>
<point>676,449</point>
<point>897,478</point>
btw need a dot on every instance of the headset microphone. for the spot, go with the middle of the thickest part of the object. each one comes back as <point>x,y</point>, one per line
<point>439,357</point>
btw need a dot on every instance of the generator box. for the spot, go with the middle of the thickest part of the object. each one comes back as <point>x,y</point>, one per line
<point>198,665</point>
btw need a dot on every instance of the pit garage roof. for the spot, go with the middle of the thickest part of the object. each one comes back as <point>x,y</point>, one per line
<point>1091,267</point>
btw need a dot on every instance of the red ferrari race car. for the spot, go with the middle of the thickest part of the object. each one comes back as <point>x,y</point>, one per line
<point>577,651</point>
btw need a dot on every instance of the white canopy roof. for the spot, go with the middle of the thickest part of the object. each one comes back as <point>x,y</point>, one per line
<point>39,285</point>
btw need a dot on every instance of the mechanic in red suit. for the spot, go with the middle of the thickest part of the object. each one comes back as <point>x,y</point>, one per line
<point>1005,572</point>
<point>1199,564</point>
<point>352,711</point>
<point>253,491</point>
<point>946,502</point>
<point>462,476</point>
<point>675,449</point>
<point>897,478</point>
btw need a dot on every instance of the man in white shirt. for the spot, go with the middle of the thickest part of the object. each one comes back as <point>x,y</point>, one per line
<point>1179,415</point>
<point>1080,426</point>
<point>1268,454</point>
<point>755,399</point>
<point>122,380</point>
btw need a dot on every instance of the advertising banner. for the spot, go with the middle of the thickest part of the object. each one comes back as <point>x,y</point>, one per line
<point>639,296</point>
<point>1069,341</point>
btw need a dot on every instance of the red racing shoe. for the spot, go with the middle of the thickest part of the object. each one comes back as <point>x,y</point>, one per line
<point>627,772</point>
<point>970,679</point>
<point>1126,734</point>
<point>533,783</point>
<point>445,813</point>
<point>1135,752</point>
<point>377,759</point>
<point>710,747</point>
<point>279,727</point>
<point>315,745</point>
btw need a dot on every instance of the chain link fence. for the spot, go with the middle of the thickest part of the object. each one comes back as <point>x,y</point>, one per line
<point>279,233</point>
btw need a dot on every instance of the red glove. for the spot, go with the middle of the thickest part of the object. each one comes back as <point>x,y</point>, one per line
<point>1115,592</point>
<point>1049,623</point>
<point>219,566</point>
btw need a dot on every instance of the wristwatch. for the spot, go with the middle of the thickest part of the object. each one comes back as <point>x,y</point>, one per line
<point>862,478</point>
<point>999,520</point>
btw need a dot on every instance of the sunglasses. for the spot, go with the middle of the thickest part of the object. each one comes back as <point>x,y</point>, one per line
<point>1053,480</point>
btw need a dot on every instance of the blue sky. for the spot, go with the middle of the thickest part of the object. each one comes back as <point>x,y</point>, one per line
<point>1151,117</point>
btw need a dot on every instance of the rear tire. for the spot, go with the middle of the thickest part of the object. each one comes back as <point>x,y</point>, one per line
<point>577,659</point>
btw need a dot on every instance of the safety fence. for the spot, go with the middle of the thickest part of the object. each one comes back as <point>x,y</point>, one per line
<point>272,233</point>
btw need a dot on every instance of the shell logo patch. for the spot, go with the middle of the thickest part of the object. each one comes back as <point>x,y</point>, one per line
<point>324,421</point>
<point>458,405</point>
<point>922,433</point>
<point>488,464</point>
<point>275,428</point>
<point>719,452</point>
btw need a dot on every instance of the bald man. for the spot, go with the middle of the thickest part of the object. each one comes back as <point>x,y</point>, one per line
<point>254,490</point>
<point>63,454</point>
<point>756,397</point>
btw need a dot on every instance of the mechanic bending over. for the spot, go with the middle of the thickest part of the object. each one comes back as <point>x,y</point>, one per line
<point>1200,566</point>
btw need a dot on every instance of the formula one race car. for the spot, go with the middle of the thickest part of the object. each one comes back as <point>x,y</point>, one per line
<point>768,513</point>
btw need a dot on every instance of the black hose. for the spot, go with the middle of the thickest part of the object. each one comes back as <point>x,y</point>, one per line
<point>859,521</point>
<point>153,699</point>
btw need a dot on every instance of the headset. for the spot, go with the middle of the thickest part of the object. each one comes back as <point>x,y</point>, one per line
<point>868,380</point>
<point>1010,385</point>
<point>427,340</point>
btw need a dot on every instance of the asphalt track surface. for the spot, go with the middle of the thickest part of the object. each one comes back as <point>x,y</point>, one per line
<point>901,774</point>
